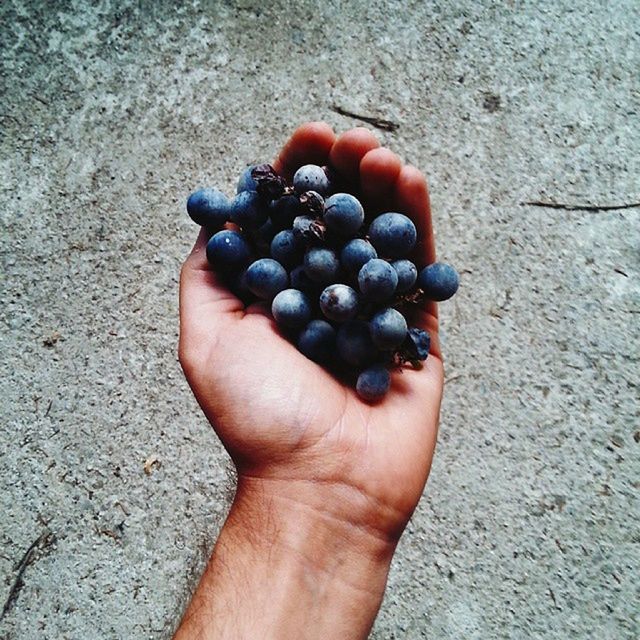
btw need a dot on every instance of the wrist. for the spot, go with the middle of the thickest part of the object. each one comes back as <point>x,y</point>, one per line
<point>283,568</point>
<point>324,574</point>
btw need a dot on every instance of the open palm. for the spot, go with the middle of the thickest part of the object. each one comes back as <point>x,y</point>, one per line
<point>285,420</point>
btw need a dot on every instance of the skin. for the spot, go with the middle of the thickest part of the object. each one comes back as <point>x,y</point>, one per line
<point>326,482</point>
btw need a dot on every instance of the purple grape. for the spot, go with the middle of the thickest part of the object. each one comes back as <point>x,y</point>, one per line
<point>209,208</point>
<point>355,254</point>
<point>317,341</point>
<point>439,281</point>
<point>373,383</point>
<point>393,235</point>
<point>291,308</point>
<point>311,177</point>
<point>321,264</point>
<point>343,214</point>
<point>339,302</point>
<point>388,329</point>
<point>354,344</point>
<point>228,251</point>
<point>265,278</point>
<point>248,210</point>
<point>407,274</point>
<point>286,249</point>
<point>377,280</point>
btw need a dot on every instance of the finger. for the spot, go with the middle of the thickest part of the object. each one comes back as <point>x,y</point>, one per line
<point>412,199</point>
<point>309,144</point>
<point>204,299</point>
<point>379,171</point>
<point>349,149</point>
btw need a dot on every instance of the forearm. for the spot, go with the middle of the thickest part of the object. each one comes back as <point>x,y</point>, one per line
<point>282,569</point>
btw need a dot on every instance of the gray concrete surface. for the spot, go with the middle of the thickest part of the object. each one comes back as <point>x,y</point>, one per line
<point>111,112</point>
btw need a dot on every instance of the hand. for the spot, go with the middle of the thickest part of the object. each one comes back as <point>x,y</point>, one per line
<point>302,440</point>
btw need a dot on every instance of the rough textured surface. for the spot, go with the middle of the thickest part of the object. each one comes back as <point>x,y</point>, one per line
<point>110,115</point>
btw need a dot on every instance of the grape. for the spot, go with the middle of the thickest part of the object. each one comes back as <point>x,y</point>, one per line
<point>339,302</point>
<point>388,329</point>
<point>407,274</point>
<point>265,278</point>
<point>301,281</point>
<point>439,281</point>
<point>393,235</point>
<point>317,341</point>
<point>284,210</point>
<point>286,249</point>
<point>354,344</point>
<point>420,342</point>
<point>246,181</point>
<point>291,308</point>
<point>228,251</point>
<point>343,214</point>
<point>263,236</point>
<point>209,208</point>
<point>377,280</point>
<point>312,203</point>
<point>373,383</point>
<point>321,264</point>
<point>310,236</point>
<point>302,227</point>
<point>311,177</point>
<point>248,210</point>
<point>355,254</point>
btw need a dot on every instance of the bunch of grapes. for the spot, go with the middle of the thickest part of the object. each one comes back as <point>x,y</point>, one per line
<point>339,284</point>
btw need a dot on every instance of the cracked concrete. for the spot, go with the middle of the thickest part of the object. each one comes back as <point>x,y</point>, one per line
<point>529,527</point>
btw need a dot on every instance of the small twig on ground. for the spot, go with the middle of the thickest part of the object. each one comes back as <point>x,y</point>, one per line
<point>43,540</point>
<point>380,123</point>
<point>581,207</point>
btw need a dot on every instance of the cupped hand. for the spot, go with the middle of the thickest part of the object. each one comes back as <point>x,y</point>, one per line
<point>291,427</point>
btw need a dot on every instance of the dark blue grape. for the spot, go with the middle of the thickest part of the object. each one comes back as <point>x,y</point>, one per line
<point>248,210</point>
<point>439,281</point>
<point>339,302</point>
<point>266,277</point>
<point>317,341</point>
<point>302,227</point>
<point>388,329</point>
<point>286,248</point>
<point>301,281</point>
<point>291,308</point>
<point>373,383</point>
<point>263,235</point>
<point>311,177</point>
<point>377,280</point>
<point>420,343</point>
<point>355,254</point>
<point>354,344</point>
<point>246,181</point>
<point>343,214</point>
<point>321,264</point>
<point>284,210</point>
<point>228,251</point>
<point>407,274</point>
<point>393,235</point>
<point>209,208</point>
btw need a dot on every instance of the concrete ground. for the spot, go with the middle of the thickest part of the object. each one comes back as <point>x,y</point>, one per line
<point>112,112</point>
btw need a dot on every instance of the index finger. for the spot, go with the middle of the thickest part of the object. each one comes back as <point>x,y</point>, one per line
<point>310,143</point>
